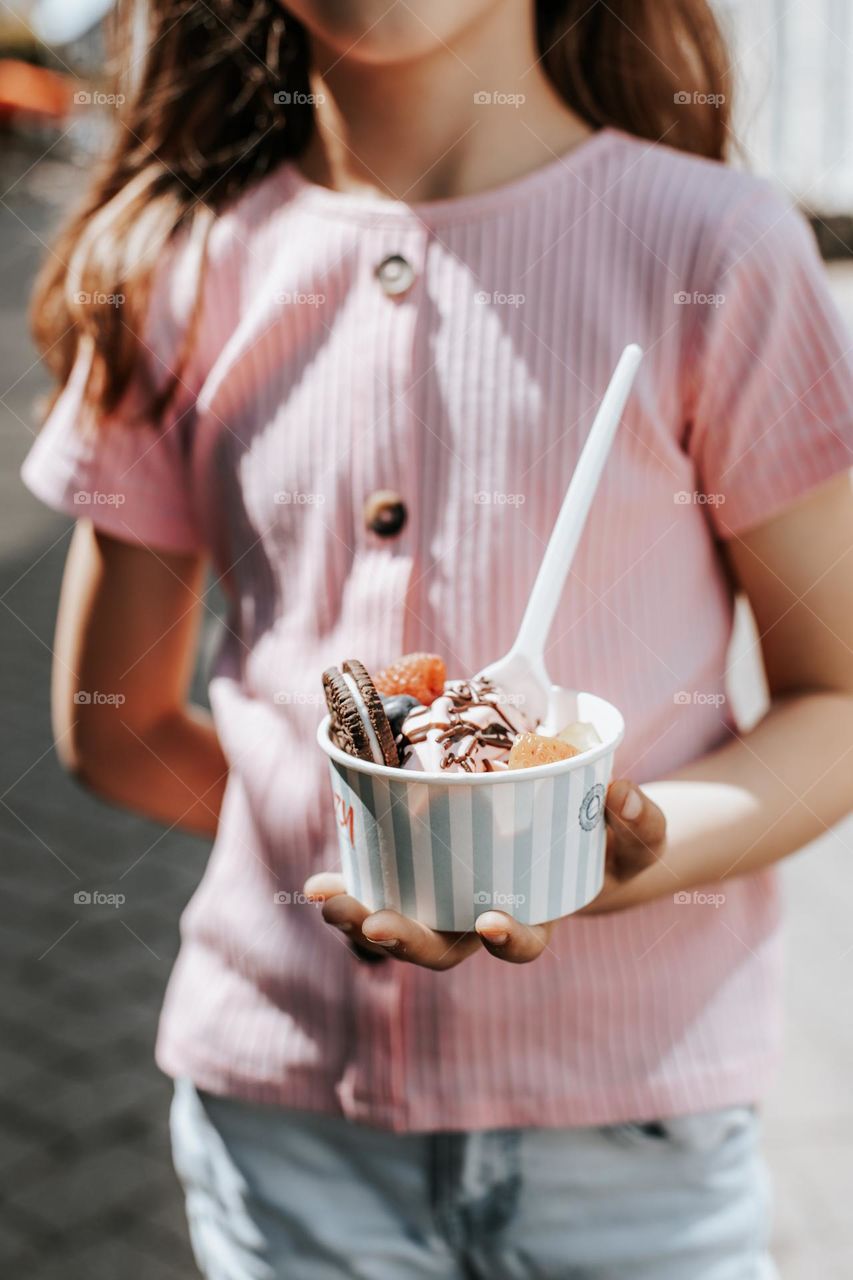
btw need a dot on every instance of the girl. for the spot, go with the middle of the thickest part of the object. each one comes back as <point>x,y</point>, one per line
<point>335,318</point>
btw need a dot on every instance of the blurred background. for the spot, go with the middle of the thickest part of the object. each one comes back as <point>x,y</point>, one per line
<point>85,1173</point>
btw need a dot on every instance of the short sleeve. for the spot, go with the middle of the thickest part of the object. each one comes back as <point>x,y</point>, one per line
<point>129,477</point>
<point>772,413</point>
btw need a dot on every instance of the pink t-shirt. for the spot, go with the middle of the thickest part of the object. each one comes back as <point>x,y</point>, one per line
<point>312,385</point>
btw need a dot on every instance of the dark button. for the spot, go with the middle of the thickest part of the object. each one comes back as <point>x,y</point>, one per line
<point>395,274</point>
<point>385,513</point>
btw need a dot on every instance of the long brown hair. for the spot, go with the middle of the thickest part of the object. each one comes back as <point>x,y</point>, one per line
<point>215,96</point>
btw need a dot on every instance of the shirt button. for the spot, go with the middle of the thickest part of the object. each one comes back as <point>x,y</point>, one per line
<point>395,274</point>
<point>385,513</point>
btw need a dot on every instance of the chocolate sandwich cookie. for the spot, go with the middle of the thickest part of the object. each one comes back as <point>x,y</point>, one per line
<point>359,724</point>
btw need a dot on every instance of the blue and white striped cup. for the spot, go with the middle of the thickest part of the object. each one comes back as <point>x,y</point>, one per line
<point>444,847</point>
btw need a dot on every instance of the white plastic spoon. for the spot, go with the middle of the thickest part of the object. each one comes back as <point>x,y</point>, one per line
<point>522,670</point>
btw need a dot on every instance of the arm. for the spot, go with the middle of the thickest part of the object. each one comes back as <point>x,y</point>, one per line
<point>123,659</point>
<point>765,794</point>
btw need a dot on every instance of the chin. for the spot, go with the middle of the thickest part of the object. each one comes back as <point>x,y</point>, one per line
<point>370,31</point>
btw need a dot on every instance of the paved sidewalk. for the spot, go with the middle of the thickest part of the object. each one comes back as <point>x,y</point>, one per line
<point>84,1166</point>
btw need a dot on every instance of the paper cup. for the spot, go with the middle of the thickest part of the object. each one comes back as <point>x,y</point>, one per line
<point>444,847</point>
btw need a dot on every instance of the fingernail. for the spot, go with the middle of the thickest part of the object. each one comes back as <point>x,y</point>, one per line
<point>496,939</point>
<point>384,942</point>
<point>632,806</point>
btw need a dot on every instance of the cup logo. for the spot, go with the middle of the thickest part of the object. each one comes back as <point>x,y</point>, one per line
<point>345,816</point>
<point>592,807</point>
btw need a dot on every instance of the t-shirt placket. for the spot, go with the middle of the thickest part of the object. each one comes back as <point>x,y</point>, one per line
<point>387,495</point>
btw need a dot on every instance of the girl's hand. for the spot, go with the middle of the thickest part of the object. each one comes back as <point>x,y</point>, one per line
<point>636,831</point>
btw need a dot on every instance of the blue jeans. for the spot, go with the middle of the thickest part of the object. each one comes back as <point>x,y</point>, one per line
<point>278,1193</point>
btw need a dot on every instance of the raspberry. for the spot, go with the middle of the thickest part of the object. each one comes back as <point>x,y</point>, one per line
<point>531,749</point>
<point>421,675</point>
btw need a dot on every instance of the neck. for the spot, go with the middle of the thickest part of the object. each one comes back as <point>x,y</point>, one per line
<point>415,131</point>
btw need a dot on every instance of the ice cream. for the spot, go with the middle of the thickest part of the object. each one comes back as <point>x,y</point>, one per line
<point>471,727</point>
<point>410,716</point>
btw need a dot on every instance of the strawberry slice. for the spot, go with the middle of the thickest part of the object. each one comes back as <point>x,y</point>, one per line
<point>421,675</point>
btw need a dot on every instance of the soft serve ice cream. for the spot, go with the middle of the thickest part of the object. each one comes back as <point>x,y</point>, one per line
<point>410,716</point>
<point>470,727</point>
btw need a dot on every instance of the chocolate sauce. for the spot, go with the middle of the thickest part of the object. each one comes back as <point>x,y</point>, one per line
<point>458,728</point>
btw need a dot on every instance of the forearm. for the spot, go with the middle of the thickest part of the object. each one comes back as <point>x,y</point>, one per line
<point>755,800</point>
<point>172,770</point>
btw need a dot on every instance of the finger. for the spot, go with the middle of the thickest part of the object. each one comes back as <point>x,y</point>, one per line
<point>636,829</point>
<point>344,913</point>
<point>323,885</point>
<point>507,939</point>
<point>408,939</point>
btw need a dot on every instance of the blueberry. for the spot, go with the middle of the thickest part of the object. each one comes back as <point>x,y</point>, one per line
<point>397,707</point>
